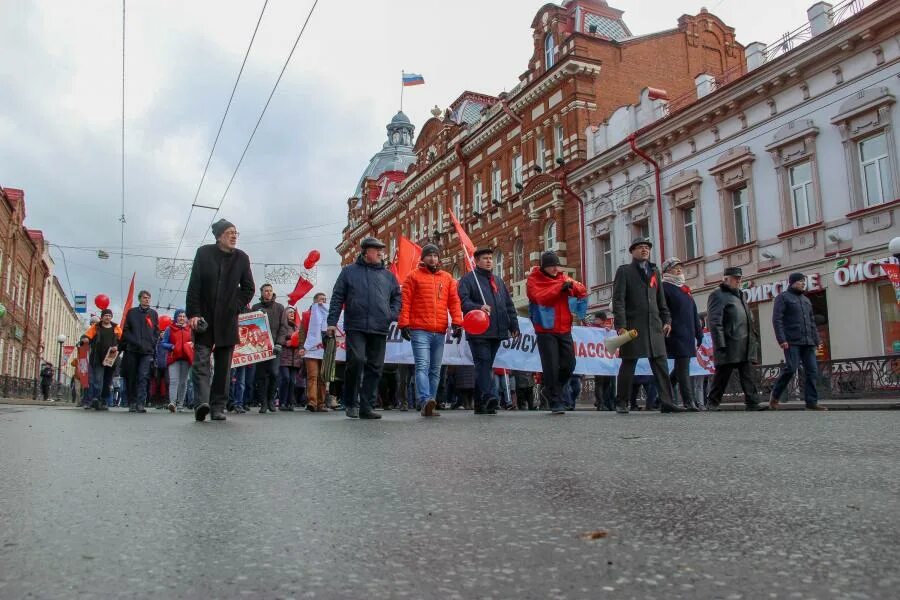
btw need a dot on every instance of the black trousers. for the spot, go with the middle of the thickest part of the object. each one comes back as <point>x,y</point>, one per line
<point>720,382</point>
<point>660,367</point>
<point>605,392</point>
<point>484,351</point>
<point>557,352</point>
<point>365,359</point>
<point>525,398</point>
<point>265,383</point>
<point>681,375</point>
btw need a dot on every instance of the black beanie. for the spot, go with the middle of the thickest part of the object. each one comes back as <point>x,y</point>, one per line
<point>219,227</point>
<point>430,249</point>
<point>549,259</point>
<point>795,277</point>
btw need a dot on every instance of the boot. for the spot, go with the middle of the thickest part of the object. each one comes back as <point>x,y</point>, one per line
<point>271,403</point>
<point>479,406</point>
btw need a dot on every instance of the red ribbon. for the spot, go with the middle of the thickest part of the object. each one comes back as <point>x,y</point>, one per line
<point>653,281</point>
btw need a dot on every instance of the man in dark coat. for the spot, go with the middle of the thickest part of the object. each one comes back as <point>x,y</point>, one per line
<point>687,331</point>
<point>266,375</point>
<point>639,303</point>
<point>221,285</point>
<point>734,340</point>
<point>798,336</point>
<point>370,298</point>
<point>480,290</point>
<point>140,333</point>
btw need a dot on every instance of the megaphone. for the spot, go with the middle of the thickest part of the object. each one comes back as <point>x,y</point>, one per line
<point>612,344</point>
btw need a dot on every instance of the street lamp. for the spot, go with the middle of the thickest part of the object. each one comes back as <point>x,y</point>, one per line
<point>60,339</point>
<point>894,247</point>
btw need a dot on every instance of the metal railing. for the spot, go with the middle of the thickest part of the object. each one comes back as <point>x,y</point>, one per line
<point>30,389</point>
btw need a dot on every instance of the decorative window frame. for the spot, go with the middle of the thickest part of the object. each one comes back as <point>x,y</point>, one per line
<point>866,114</point>
<point>734,170</point>
<point>604,229</point>
<point>555,244</point>
<point>684,192</point>
<point>793,144</point>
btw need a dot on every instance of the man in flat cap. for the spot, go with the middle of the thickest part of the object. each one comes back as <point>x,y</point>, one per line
<point>481,290</point>
<point>734,338</point>
<point>369,295</point>
<point>221,284</point>
<point>640,303</point>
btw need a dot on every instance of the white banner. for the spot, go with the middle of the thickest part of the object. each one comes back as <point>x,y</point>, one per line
<point>522,354</point>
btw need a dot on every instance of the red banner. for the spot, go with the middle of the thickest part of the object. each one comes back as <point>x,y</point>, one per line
<point>893,273</point>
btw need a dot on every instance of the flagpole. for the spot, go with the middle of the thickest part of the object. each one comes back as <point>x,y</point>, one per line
<point>402,73</point>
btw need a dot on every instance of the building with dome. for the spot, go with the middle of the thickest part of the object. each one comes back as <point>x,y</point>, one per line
<point>395,155</point>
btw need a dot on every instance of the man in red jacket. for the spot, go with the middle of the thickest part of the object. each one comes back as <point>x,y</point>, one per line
<point>549,291</point>
<point>429,295</point>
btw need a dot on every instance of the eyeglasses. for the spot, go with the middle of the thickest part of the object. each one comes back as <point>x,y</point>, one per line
<point>232,234</point>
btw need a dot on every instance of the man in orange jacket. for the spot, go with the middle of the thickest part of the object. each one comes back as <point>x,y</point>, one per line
<point>549,291</point>
<point>428,295</point>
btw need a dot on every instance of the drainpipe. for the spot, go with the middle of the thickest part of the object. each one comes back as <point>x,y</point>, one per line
<point>464,172</point>
<point>659,213</point>
<point>565,186</point>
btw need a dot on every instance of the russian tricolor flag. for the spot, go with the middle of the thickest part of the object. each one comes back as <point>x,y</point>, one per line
<point>413,79</point>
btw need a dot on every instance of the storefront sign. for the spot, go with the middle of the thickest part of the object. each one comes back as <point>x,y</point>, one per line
<point>768,291</point>
<point>847,274</point>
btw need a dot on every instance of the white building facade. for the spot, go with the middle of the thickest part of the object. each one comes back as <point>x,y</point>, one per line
<point>791,167</point>
<point>59,318</point>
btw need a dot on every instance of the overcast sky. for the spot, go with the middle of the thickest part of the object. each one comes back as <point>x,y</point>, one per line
<point>60,112</point>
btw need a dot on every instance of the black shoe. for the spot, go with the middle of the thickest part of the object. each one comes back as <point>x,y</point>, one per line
<point>369,415</point>
<point>101,406</point>
<point>288,409</point>
<point>141,410</point>
<point>621,409</point>
<point>263,409</point>
<point>479,410</point>
<point>490,407</point>
<point>353,413</point>
<point>272,406</point>
<point>692,408</point>
<point>670,408</point>
<point>217,416</point>
<point>239,410</point>
<point>756,407</point>
<point>200,412</point>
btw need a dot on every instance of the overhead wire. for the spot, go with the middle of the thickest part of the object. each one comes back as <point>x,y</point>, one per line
<point>122,217</point>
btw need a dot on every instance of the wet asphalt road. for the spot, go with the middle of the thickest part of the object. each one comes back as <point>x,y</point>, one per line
<point>727,505</point>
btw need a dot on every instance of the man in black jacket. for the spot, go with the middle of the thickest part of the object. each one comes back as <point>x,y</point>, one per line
<point>139,336</point>
<point>369,295</point>
<point>266,375</point>
<point>798,336</point>
<point>734,340</point>
<point>480,290</point>
<point>640,303</point>
<point>221,285</point>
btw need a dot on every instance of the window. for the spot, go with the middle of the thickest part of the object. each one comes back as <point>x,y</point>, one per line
<point>476,197</point>
<point>517,169</point>
<point>423,230</point>
<point>550,236</point>
<point>605,262</point>
<point>558,134</point>
<point>457,205</point>
<point>689,220</point>
<point>440,216</point>
<point>455,271</point>
<point>875,170</point>
<point>539,153</point>
<point>890,317</point>
<point>498,264</point>
<point>18,293</point>
<point>413,232</point>
<point>740,206</point>
<point>641,228</point>
<point>2,354</point>
<point>519,261</point>
<point>495,186</point>
<point>549,52</point>
<point>9,280</point>
<point>800,180</point>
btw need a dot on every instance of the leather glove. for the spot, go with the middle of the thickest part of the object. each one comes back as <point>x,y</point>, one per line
<point>457,332</point>
<point>278,349</point>
<point>405,334</point>
<point>567,286</point>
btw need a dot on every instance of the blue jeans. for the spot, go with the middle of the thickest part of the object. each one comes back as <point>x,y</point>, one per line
<point>100,384</point>
<point>428,351</point>
<point>795,357</point>
<point>572,391</point>
<point>239,385</point>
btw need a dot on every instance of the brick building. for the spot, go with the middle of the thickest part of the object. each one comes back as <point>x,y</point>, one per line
<point>500,162</point>
<point>23,275</point>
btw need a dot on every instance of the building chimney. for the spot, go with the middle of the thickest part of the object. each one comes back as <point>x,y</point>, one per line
<point>755,54</point>
<point>705,83</point>
<point>820,17</point>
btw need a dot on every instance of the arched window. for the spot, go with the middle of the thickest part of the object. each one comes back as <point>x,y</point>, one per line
<point>549,52</point>
<point>498,264</point>
<point>550,236</point>
<point>456,271</point>
<point>519,261</point>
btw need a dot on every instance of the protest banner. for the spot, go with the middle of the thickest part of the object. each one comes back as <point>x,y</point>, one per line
<point>255,337</point>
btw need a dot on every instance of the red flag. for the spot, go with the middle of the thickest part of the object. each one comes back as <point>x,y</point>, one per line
<point>468,246</point>
<point>408,255</point>
<point>302,288</point>
<point>130,299</point>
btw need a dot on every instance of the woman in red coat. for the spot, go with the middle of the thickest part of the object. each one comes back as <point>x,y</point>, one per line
<point>176,340</point>
<point>549,291</point>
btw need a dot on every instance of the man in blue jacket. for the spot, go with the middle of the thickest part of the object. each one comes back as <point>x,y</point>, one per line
<point>798,336</point>
<point>494,299</point>
<point>370,298</point>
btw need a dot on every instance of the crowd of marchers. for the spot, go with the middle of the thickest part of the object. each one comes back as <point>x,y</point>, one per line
<point>189,362</point>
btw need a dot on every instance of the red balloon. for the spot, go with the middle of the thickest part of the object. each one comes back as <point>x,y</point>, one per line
<point>476,322</point>
<point>101,301</point>
<point>164,322</point>
<point>311,259</point>
<point>295,340</point>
